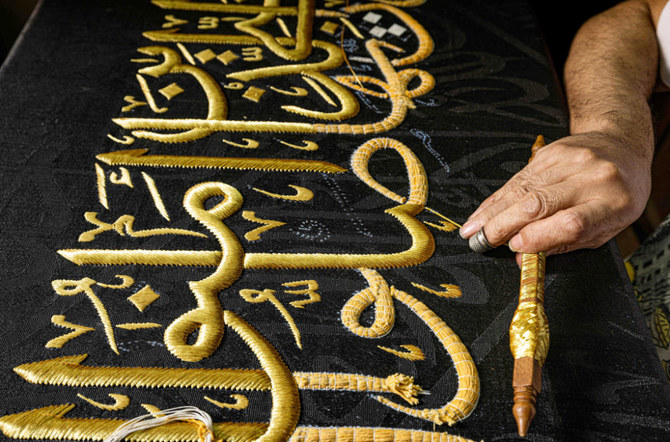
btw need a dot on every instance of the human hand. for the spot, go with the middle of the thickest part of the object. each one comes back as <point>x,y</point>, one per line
<point>578,192</point>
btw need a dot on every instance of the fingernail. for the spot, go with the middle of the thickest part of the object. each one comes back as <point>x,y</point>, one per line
<point>515,244</point>
<point>469,229</point>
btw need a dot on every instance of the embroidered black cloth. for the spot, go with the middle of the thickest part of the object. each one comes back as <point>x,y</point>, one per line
<point>248,207</point>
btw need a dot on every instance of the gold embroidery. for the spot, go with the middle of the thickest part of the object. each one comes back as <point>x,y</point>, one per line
<point>253,53</point>
<point>329,27</point>
<point>398,384</point>
<point>283,27</point>
<point>260,296</point>
<point>102,188</point>
<point>124,226</point>
<point>60,341</point>
<point>413,352</point>
<point>235,85</point>
<point>148,96</point>
<point>126,281</point>
<point>207,318</point>
<point>443,225</point>
<point>126,139</point>
<point>378,293</point>
<point>123,180</point>
<point>310,291</point>
<point>295,91</point>
<point>65,287</point>
<point>241,402</point>
<point>253,94</point>
<point>301,194</point>
<point>143,298</point>
<point>208,23</point>
<point>319,90</point>
<point>152,409</point>
<point>121,401</point>
<point>364,434</point>
<point>136,157</point>
<point>250,144</point>
<point>309,145</point>
<point>226,58</point>
<point>255,235</point>
<point>133,103</point>
<point>171,21</point>
<point>138,325</point>
<point>450,290</point>
<point>205,56</point>
<point>170,91</point>
<point>352,28</point>
<point>187,55</point>
<point>155,196</point>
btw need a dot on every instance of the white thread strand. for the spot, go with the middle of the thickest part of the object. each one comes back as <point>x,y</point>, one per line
<point>163,417</point>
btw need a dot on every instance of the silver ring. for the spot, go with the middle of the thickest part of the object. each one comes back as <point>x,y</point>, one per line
<point>478,242</point>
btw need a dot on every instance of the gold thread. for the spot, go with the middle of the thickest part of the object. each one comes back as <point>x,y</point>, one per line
<point>253,53</point>
<point>241,402</point>
<point>413,352</point>
<point>136,157</point>
<point>121,401</point>
<point>443,217</point>
<point>143,298</point>
<point>126,139</point>
<point>155,195</point>
<point>126,281</point>
<point>173,21</point>
<point>250,144</point>
<point>64,287</point>
<point>352,28</point>
<point>124,179</point>
<point>207,318</point>
<point>283,27</point>
<point>379,294</point>
<point>301,194</point>
<point>124,226</point>
<point>309,145</point>
<point>450,290</point>
<point>310,291</point>
<point>102,188</point>
<point>366,434</point>
<point>294,92</point>
<point>260,296</point>
<point>138,325</point>
<point>132,103</point>
<point>319,90</point>
<point>61,340</point>
<point>443,225</point>
<point>187,55</point>
<point>268,224</point>
<point>149,96</point>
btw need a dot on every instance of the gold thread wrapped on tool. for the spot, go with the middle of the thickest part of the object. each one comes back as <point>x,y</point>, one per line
<point>529,330</point>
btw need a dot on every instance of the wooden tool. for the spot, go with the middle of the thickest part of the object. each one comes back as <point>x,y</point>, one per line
<point>529,333</point>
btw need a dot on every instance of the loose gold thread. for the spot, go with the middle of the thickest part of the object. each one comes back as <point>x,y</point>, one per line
<point>366,434</point>
<point>283,27</point>
<point>124,226</point>
<point>64,287</point>
<point>309,145</point>
<point>443,217</point>
<point>310,291</point>
<point>102,189</point>
<point>268,224</point>
<point>319,90</point>
<point>467,394</point>
<point>148,95</point>
<point>187,55</point>
<point>285,400</point>
<point>138,325</point>
<point>61,340</point>
<point>126,139</point>
<point>413,352</point>
<point>450,290</point>
<point>207,318</point>
<point>301,194</point>
<point>260,296</point>
<point>378,293</point>
<point>241,402</point>
<point>155,195</point>
<point>397,383</point>
<point>250,144</point>
<point>136,157</point>
<point>121,401</point>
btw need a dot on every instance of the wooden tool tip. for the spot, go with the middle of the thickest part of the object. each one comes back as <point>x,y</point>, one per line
<point>524,408</point>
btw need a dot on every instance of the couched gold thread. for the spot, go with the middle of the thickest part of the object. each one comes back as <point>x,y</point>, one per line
<point>370,434</point>
<point>378,293</point>
<point>450,290</point>
<point>121,401</point>
<point>207,318</point>
<point>349,105</point>
<point>138,325</point>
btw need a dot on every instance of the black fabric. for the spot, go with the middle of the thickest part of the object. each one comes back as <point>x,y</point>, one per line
<point>495,92</point>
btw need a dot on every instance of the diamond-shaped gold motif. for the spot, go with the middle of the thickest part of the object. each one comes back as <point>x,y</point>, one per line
<point>170,91</point>
<point>205,56</point>
<point>227,57</point>
<point>253,93</point>
<point>144,298</point>
<point>329,27</point>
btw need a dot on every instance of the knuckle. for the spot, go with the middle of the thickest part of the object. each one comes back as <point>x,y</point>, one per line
<point>607,172</point>
<point>519,191</point>
<point>495,232</point>
<point>536,204</point>
<point>573,226</point>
